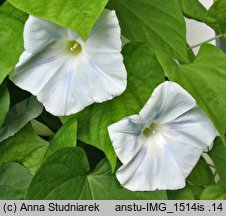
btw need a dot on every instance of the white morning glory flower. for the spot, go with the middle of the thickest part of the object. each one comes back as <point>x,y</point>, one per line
<point>160,146</point>
<point>66,73</point>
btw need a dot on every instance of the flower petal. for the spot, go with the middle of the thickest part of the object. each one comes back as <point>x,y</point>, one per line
<point>184,125</point>
<point>104,45</point>
<point>152,168</point>
<point>40,33</point>
<point>34,71</point>
<point>167,102</point>
<point>188,136</point>
<point>125,137</point>
<point>103,85</point>
<point>77,84</point>
<point>67,91</point>
<point>66,81</point>
<point>169,150</point>
<point>105,35</point>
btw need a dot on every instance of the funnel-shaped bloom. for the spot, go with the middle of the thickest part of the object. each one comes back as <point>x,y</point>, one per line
<point>160,146</point>
<point>66,73</point>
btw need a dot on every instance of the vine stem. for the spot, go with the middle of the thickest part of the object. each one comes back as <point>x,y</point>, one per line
<point>210,165</point>
<point>209,40</point>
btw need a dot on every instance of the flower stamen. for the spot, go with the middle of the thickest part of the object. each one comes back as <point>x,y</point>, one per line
<point>150,130</point>
<point>74,47</point>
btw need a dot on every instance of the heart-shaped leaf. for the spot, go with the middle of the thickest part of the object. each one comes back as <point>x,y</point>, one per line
<point>66,175</point>
<point>79,15</point>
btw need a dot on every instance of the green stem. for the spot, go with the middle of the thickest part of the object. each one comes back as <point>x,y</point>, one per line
<point>209,40</point>
<point>210,165</point>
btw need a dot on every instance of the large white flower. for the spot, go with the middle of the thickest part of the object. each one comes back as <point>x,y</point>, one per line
<point>160,146</point>
<point>66,73</point>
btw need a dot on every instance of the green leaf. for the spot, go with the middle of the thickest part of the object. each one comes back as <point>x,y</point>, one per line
<point>197,191</point>
<point>144,74</point>
<point>217,16</point>
<point>41,129</point>
<point>14,181</point>
<point>16,94</point>
<point>204,79</point>
<point>52,122</point>
<point>214,192</point>
<point>78,15</point>
<point>25,147</point>
<point>4,102</point>
<point>218,155</point>
<point>159,23</point>
<point>193,9</point>
<point>195,184</point>
<point>65,137</point>
<point>19,115</point>
<point>94,154</point>
<point>66,175</point>
<point>201,169</point>
<point>11,38</point>
<point>1,1</point>
<point>185,193</point>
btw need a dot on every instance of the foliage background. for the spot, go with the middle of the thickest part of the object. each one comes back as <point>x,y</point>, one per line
<point>47,157</point>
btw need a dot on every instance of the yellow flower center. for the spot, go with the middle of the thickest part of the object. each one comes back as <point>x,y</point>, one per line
<point>150,130</point>
<point>74,47</point>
